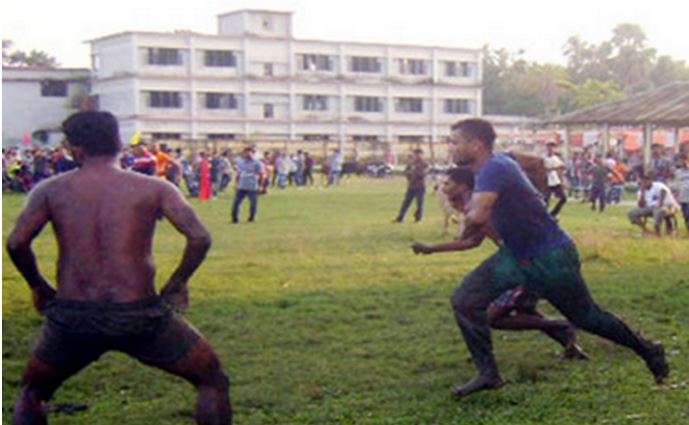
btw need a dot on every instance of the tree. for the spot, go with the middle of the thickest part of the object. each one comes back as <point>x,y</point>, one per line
<point>35,58</point>
<point>590,93</point>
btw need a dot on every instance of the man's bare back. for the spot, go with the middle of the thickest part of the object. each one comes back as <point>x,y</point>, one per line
<point>104,220</point>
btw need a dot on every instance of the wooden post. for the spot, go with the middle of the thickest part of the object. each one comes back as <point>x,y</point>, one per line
<point>648,140</point>
<point>568,138</point>
<point>606,139</point>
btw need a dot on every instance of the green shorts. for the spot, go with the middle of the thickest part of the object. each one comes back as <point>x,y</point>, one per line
<point>77,333</point>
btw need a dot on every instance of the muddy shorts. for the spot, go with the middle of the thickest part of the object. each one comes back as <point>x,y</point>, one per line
<point>518,299</point>
<point>77,333</point>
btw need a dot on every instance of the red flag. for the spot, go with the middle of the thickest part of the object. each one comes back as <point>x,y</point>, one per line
<point>27,139</point>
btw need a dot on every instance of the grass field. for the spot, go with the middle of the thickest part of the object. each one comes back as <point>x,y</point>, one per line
<point>322,315</point>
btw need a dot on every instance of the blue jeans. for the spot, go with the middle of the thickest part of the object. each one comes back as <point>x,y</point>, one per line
<point>239,198</point>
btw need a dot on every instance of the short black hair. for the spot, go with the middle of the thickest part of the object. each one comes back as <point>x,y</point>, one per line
<point>476,128</point>
<point>97,132</point>
<point>462,175</point>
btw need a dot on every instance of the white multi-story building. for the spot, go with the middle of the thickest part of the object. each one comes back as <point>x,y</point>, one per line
<point>254,80</point>
<point>35,101</point>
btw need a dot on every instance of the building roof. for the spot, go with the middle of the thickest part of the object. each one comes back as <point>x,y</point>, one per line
<point>665,106</point>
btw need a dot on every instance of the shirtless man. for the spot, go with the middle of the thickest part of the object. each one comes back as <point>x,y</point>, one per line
<point>515,309</point>
<point>536,253</point>
<point>104,220</point>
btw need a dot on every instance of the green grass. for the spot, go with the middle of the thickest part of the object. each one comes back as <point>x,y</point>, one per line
<point>322,315</point>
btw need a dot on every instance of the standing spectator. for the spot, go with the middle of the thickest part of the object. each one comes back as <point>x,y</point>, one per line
<point>225,170</point>
<point>682,186</point>
<point>415,172</point>
<point>335,168</point>
<point>205,177</point>
<point>308,169</point>
<point>267,172</point>
<point>660,166</point>
<point>599,174</point>
<point>617,183</point>
<point>144,161</point>
<point>189,175</point>
<point>555,168</point>
<point>299,173</point>
<point>63,161</point>
<point>249,170</point>
<point>655,200</point>
<point>282,165</point>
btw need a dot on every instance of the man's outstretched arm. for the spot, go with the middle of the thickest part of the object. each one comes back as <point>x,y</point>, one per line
<point>176,209</point>
<point>459,244</point>
<point>478,213</point>
<point>29,225</point>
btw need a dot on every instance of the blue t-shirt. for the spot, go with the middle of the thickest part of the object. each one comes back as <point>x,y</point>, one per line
<point>519,215</point>
<point>249,172</point>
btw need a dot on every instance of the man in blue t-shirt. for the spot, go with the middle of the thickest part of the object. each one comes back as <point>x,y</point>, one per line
<point>249,171</point>
<point>536,254</point>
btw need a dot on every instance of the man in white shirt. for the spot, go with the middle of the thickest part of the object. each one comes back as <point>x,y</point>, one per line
<point>655,200</point>
<point>682,187</point>
<point>555,168</point>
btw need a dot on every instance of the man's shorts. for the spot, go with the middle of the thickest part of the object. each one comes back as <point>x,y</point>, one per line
<point>77,333</point>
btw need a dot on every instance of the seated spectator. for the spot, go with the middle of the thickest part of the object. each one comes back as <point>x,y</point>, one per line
<point>655,200</point>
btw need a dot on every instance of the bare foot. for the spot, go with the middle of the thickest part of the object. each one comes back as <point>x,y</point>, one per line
<point>480,383</point>
<point>574,352</point>
<point>655,360</point>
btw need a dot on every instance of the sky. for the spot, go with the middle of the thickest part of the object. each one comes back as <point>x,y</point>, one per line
<point>540,28</point>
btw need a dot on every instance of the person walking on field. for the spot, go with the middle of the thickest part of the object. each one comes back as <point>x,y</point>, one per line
<point>249,171</point>
<point>104,220</point>
<point>537,254</point>
<point>416,172</point>
<point>556,169</point>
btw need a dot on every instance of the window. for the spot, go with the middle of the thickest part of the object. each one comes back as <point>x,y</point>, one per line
<point>53,88</point>
<point>458,69</point>
<point>221,101</point>
<point>268,69</point>
<point>316,63</point>
<point>315,137</point>
<point>165,99</point>
<point>410,139</point>
<point>412,66</point>
<point>409,104</point>
<point>365,64</point>
<point>368,104</point>
<point>220,58</point>
<point>268,110</point>
<point>315,102</point>
<point>457,106</point>
<point>220,136</point>
<point>157,56</point>
<point>365,138</point>
<point>166,136</point>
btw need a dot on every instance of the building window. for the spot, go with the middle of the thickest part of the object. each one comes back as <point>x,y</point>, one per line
<point>157,56</point>
<point>458,69</point>
<point>412,67</point>
<point>365,138</point>
<point>316,63</point>
<point>368,104</point>
<point>411,139</point>
<point>220,136</point>
<point>164,99</point>
<point>268,110</point>
<point>220,58</point>
<point>53,88</point>
<point>457,106</point>
<point>221,101</point>
<point>409,104</point>
<point>315,137</point>
<point>166,136</point>
<point>315,102</point>
<point>268,69</point>
<point>365,64</point>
